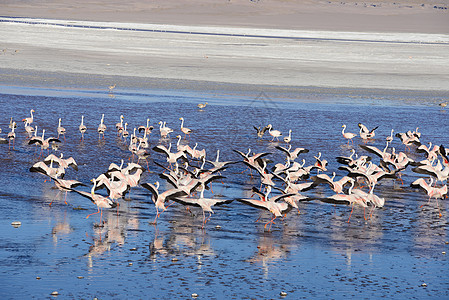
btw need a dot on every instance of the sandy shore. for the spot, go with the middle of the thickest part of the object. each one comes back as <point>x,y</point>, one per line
<point>277,52</point>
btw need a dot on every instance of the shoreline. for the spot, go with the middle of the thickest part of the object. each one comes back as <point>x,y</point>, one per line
<point>97,83</point>
<point>245,32</point>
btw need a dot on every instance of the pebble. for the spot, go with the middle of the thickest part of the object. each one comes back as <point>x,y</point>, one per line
<point>283,294</point>
<point>194,295</point>
<point>16,224</point>
<point>55,293</point>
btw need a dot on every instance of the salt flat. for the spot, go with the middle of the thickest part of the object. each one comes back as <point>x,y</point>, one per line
<point>289,58</point>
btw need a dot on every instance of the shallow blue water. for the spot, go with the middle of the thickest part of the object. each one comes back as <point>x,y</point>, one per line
<point>312,254</point>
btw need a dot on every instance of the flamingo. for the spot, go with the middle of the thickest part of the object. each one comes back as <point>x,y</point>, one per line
<point>389,138</point>
<point>292,155</point>
<point>347,135</point>
<point>119,126</point>
<point>171,157</point>
<point>147,129</point>
<point>164,130</point>
<point>202,105</point>
<point>254,161</point>
<point>48,170</point>
<point>65,186</point>
<point>288,138</point>
<point>159,199</point>
<point>432,192</point>
<point>99,200</point>
<point>205,204</point>
<point>184,148</point>
<point>337,185</point>
<point>101,128</point>
<point>82,128</point>
<point>30,119</point>
<point>125,133</point>
<point>352,198</point>
<point>185,130</point>
<point>12,136</point>
<point>60,129</point>
<point>63,162</point>
<point>219,165</point>
<point>274,133</point>
<point>45,143</point>
<point>111,87</point>
<point>29,129</point>
<point>260,131</point>
<point>365,133</point>
<point>272,204</point>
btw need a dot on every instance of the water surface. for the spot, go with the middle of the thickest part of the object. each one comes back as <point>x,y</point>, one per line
<point>312,254</point>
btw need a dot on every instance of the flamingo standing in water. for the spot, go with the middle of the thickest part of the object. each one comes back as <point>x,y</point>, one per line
<point>111,87</point>
<point>185,130</point>
<point>202,105</point>
<point>101,128</point>
<point>82,128</point>
<point>29,129</point>
<point>348,135</point>
<point>12,136</point>
<point>30,119</point>
<point>60,129</point>
<point>274,133</point>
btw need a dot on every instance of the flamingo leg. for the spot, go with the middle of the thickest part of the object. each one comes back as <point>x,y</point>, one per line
<point>93,213</point>
<point>351,213</point>
<point>428,202</point>
<point>207,219</point>
<point>157,215</point>
<point>204,220</point>
<point>271,222</point>
<point>439,211</point>
<point>371,212</point>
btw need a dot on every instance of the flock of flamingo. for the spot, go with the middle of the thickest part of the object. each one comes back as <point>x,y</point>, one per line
<point>282,185</point>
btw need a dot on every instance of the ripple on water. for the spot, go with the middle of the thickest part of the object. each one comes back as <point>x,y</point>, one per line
<point>312,254</point>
